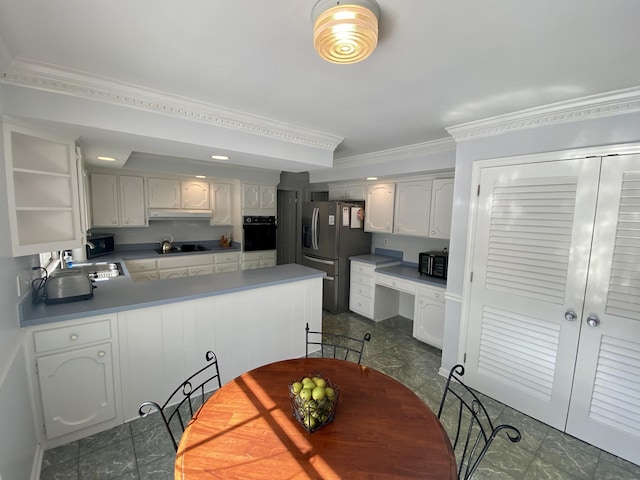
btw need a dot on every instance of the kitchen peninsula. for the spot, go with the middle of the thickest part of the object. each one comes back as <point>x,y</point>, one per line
<point>97,360</point>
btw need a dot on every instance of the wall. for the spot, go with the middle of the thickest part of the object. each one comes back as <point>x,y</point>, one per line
<point>611,130</point>
<point>18,444</point>
<point>410,246</point>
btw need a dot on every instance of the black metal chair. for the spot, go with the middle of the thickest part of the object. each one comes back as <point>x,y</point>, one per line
<point>337,346</point>
<point>186,399</point>
<point>474,430</point>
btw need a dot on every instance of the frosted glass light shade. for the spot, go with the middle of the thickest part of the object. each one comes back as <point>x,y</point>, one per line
<point>345,33</point>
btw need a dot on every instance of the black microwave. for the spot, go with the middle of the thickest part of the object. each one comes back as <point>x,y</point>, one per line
<point>103,244</point>
<point>434,264</point>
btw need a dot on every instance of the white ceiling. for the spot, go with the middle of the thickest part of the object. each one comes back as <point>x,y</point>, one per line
<point>438,63</point>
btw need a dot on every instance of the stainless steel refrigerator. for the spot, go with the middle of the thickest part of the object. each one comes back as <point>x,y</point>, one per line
<point>331,233</point>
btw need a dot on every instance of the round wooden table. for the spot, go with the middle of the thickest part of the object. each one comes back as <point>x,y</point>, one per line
<point>381,430</point>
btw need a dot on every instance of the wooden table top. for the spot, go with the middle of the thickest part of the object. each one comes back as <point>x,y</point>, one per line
<point>381,430</point>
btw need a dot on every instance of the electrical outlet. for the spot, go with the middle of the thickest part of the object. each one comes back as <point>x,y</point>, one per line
<point>386,241</point>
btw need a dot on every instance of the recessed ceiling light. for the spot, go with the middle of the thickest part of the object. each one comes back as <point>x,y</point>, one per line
<point>219,157</point>
<point>372,178</point>
<point>107,159</point>
<point>201,176</point>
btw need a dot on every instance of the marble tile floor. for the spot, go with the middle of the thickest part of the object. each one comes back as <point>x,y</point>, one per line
<point>141,450</point>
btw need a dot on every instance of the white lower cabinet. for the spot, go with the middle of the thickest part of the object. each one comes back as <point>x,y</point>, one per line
<point>362,293</point>
<point>226,262</point>
<point>77,377</point>
<point>262,259</point>
<point>428,316</point>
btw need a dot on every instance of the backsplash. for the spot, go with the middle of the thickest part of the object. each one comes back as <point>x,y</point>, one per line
<point>182,231</point>
<point>410,246</point>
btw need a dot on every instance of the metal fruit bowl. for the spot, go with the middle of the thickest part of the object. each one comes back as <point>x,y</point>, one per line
<point>316,409</point>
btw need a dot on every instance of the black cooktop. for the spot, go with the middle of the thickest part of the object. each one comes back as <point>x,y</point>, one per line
<point>186,248</point>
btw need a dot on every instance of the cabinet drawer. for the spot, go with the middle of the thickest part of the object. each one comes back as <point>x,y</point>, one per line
<point>363,290</point>
<point>436,294</point>
<point>71,336</point>
<point>260,255</point>
<point>359,279</point>
<point>226,267</point>
<point>173,273</point>
<point>185,261</point>
<point>140,265</point>
<point>226,257</point>
<point>361,268</point>
<point>360,304</point>
<point>396,283</point>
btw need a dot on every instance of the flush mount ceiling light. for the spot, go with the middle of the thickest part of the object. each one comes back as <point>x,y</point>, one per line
<point>345,31</point>
<point>107,159</point>
<point>219,157</point>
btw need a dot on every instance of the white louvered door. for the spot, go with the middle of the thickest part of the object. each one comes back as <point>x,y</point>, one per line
<point>605,405</point>
<point>530,267</point>
<point>552,239</point>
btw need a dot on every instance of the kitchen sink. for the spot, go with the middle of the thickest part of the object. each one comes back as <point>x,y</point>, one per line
<point>96,271</point>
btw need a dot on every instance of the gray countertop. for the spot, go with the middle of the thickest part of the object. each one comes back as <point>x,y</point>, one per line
<point>383,264</point>
<point>121,293</point>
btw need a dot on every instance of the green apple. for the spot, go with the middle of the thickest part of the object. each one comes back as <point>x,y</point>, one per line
<point>330,393</point>
<point>318,393</point>
<point>306,394</point>
<point>320,382</point>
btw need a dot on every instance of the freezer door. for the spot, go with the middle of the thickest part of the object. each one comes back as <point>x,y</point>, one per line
<point>331,297</point>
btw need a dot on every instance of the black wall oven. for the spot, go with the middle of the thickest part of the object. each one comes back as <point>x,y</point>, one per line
<point>259,233</point>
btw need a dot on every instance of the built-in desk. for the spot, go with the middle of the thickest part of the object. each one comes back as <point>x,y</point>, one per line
<point>382,287</point>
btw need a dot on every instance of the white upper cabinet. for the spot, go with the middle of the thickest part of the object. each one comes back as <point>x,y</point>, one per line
<point>379,208</point>
<point>346,192</point>
<point>42,191</point>
<point>117,200</point>
<point>163,193</point>
<point>412,207</point>
<point>441,208</point>
<point>195,195</point>
<point>259,199</point>
<point>221,204</point>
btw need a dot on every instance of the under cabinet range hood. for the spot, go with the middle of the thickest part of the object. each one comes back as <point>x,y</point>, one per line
<point>177,213</point>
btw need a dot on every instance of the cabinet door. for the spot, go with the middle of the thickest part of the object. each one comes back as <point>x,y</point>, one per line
<point>173,273</point>
<point>163,193</point>
<point>132,208</point>
<point>77,389</point>
<point>441,208</point>
<point>379,208</point>
<point>104,200</point>
<point>195,195</point>
<point>250,195</point>
<point>428,321</point>
<point>267,196</point>
<point>412,207</point>
<point>354,192</point>
<point>221,204</point>
<point>42,192</point>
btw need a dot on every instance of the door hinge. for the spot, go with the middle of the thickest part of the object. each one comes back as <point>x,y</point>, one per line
<point>464,358</point>
<point>471,277</point>
<point>478,194</point>
<point>37,371</point>
<point>44,429</point>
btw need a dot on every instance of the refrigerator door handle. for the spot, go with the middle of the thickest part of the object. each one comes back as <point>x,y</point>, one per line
<point>318,260</point>
<point>316,215</point>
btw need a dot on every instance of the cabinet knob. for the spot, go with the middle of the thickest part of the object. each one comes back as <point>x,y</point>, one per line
<point>73,337</point>
<point>437,295</point>
<point>114,222</point>
<point>126,222</point>
<point>393,283</point>
<point>101,353</point>
<point>433,232</point>
<point>420,302</point>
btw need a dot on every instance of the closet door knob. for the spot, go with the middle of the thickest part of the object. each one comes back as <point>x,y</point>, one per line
<point>570,316</point>
<point>593,321</point>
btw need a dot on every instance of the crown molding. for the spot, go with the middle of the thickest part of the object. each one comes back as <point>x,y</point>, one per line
<point>69,82</point>
<point>408,152</point>
<point>585,108</point>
